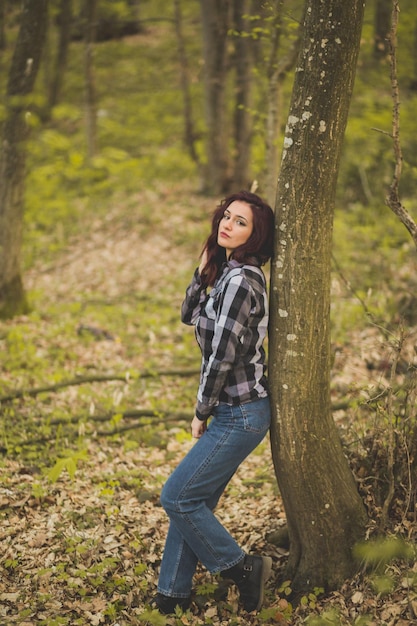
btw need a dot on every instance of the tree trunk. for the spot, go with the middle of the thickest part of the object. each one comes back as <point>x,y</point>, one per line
<point>189,132</point>
<point>382,25</point>
<point>413,78</point>
<point>64,25</point>
<point>274,104</point>
<point>243,113</point>
<point>22,75</point>
<point>325,514</point>
<point>135,4</point>
<point>90,91</point>
<point>215,23</point>
<point>2,24</point>
<point>393,197</point>
<point>277,71</point>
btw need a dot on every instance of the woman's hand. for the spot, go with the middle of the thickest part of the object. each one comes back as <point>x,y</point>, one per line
<point>203,261</point>
<point>198,427</point>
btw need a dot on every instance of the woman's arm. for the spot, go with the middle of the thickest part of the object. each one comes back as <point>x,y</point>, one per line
<point>198,427</point>
<point>232,317</point>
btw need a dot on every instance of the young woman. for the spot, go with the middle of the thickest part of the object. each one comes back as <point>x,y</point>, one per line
<point>227,303</point>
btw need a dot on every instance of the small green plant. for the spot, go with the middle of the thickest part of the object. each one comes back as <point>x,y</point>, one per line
<point>310,599</point>
<point>140,568</point>
<point>38,490</point>
<point>154,618</point>
<point>11,564</point>
<point>327,618</point>
<point>285,588</point>
<point>375,555</point>
<point>206,589</point>
<point>112,611</point>
<point>383,585</point>
<point>108,488</point>
<point>68,463</point>
<point>277,614</point>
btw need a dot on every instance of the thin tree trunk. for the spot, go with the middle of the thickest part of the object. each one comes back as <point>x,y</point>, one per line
<point>243,113</point>
<point>90,91</point>
<point>215,23</point>
<point>324,511</point>
<point>2,24</point>
<point>64,24</point>
<point>277,71</point>
<point>22,76</point>
<point>274,104</point>
<point>136,11</point>
<point>393,198</point>
<point>413,78</point>
<point>382,27</point>
<point>189,132</point>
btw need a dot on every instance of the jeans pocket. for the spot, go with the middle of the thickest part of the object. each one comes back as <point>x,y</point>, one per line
<point>256,415</point>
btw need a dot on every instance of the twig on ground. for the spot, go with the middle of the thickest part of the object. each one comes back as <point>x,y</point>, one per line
<point>151,416</point>
<point>99,378</point>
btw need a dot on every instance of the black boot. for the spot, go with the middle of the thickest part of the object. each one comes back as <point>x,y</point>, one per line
<point>250,575</point>
<point>167,604</point>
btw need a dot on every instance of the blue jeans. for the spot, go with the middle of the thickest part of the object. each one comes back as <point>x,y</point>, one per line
<point>192,491</point>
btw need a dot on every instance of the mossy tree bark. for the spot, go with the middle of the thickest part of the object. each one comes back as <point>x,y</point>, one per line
<point>324,511</point>
<point>22,75</point>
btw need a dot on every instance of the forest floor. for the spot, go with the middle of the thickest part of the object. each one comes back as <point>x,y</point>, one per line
<point>81,528</point>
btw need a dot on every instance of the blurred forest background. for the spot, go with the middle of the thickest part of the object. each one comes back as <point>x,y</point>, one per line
<point>128,113</point>
<point>98,377</point>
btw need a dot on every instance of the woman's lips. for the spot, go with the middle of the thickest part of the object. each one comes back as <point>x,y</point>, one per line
<point>224,235</point>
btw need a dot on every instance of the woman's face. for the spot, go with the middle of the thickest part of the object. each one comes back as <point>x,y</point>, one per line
<point>235,227</point>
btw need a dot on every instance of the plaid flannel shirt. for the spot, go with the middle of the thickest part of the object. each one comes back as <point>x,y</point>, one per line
<point>230,324</point>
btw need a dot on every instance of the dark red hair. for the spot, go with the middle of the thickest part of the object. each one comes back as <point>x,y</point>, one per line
<point>257,250</point>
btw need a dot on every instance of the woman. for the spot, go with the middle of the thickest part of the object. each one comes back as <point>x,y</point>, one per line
<point>231,324</point>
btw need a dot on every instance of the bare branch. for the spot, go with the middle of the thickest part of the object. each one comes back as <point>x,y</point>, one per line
<point>383,132</point>
<point>393,198</point>
<point>99,378</point>
<point>389,403</point>
<point>144,417</point>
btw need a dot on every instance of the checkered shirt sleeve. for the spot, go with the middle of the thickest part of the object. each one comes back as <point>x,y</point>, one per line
<point>231,324</point>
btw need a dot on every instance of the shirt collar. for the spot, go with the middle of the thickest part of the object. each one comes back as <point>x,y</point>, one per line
<point>233,263</point>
